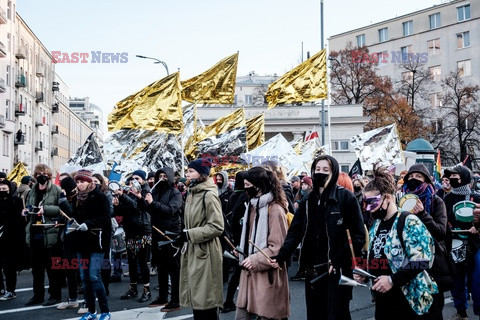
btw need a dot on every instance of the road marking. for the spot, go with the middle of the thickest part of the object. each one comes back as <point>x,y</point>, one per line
<point>146,313</point>
<point>26,289</point>
<point>26,309</point>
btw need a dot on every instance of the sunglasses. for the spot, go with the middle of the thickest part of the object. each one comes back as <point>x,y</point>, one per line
<point>370,203</point>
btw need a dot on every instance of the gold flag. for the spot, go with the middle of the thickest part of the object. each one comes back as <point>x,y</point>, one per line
<point>306,82</point>
<point>17,173</point>
<point>214,86</point>
<point>155,107</point>
<point>230,121</point>
<point>255,131</point>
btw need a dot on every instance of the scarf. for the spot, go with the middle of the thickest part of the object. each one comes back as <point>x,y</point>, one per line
<point>462,190</point>
<point>83,195</point>
<point>425,192</point>
<point>259,233</point>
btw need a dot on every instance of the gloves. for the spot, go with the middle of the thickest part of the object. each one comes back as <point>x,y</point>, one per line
<point>182,238</point>
<point>279,258</point>
<point>82,227</point>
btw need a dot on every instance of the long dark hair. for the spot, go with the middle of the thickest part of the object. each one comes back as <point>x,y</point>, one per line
<point>103,184</point>
<point>267,182</point>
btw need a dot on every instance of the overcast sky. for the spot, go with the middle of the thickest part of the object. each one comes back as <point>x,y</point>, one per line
<point>190,35</point>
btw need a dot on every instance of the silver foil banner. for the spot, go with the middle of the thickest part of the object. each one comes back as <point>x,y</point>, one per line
<point>189,123</point>
<point>88,154</point>
<point>309,150</point>
<point>380,145</point>
<point>231,143</point>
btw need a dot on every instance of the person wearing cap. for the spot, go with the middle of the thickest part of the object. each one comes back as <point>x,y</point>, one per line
<point>43,241</point>
<point>91,212</point>
<point>12,239</point>
<point>431,210</point>
<point>138,232</point>
<point>296,184</point>
<point>151,179</point>
<point>3,176</point>
<point>24,187</point>
<point>201,261</point>
<point>468,271</point>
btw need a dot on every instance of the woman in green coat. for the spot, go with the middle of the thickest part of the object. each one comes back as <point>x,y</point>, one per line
<point>201,261</point>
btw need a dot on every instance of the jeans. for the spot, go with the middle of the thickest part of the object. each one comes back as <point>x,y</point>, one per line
<point>468,276</point>
<point>90,273</point>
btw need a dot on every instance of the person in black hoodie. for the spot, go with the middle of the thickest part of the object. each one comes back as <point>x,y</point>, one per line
<point>468,271</point>
<point>92,238</point>
<point>12,238</point>
<point>164,205</point>
<point>321,221</point>
<point>430,209</point>
<point>138,232</point>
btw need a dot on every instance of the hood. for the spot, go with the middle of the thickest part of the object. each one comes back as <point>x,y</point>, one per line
<point>10,186</point>
<point>224,187</point>
<point>22,188</point>
<point>239,180</point>
<point>204,186</point>
<point>419,167</point>
<point>335,171</point>
<point>464,173</point>
<point>170,175</point>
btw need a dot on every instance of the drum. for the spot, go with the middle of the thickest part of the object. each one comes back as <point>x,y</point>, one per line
<point>118,241</point>
<point>408,202</point>
<point>464,211</point>
<point>459,250</point>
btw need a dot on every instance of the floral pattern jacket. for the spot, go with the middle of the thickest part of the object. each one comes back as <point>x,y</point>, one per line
<point>419,246</point>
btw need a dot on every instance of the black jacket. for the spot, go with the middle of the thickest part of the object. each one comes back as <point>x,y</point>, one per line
<point>290,197</point>
<point>12,226</point>
<point>166,206</point>
<point>95,213</point>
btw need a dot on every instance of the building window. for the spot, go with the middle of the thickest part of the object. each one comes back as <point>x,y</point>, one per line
<point>407,28</point>
<point>464,68</point>
<point>405,51</point>
<point>407,76</point>
<point>9,9</point>
<point>8,76</point>
<point>345,168</point>
<point>383,35</point>
<point>434,21</point>
<point>361,40</point>
<point>436,100</point>
<point>382,58</point>
<point>6,145</point>
<point>341,145</point>
<point>435,73</point>
<point>463,13</point>
<point>433,46</point>
<point>7,109</point>
<point>463,40</point>
<point>437,126</point>
<point>248,99</point>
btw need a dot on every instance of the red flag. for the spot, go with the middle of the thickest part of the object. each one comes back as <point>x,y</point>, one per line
<point>57,179</point>
<point>312,135</point>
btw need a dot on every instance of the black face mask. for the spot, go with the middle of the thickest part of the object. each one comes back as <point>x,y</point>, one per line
<point>357,188</point>
<point>319,180</point>
<point>163,184</point>
<point>181,188</point>
<point>380,213</point>
<point>42,179</point>
<point>98,186</point>
<point>252,192</point>
<point>454,183</point>
<point>413,184</point>
<point>220,184</point>
<point>151,184</point>
<point>3,194</point>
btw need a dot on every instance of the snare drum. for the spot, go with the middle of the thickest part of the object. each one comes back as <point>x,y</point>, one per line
<point>464,211</point>
<point>118,241</point>
<point>459,250</point>
<point>408,202</point>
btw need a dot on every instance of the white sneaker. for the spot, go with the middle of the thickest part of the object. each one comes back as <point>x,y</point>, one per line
<point>83,309</point>
<point>69,304</point>
<point>8,296</point>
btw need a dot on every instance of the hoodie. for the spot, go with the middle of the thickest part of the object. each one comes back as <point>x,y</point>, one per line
<point>224,192</point>
<point>12,230</point>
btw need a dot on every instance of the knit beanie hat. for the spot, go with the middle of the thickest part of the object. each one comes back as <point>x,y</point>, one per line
<point>142,174</point>
<point>308,181</point>
<point>202,166</point>
<point>3,175</point>
<point>84,175</point>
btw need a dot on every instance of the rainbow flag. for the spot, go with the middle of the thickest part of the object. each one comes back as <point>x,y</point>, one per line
<point>438,168</point>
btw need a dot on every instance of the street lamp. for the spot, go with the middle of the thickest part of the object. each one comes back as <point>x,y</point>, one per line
<point>156,61</point>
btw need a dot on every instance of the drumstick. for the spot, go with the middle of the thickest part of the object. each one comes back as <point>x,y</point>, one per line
<point>63,214</point>
<point>460,231</point>
<point>229,243</point>
<point>261,251</point>
<point>351,248</point>
<point>47,225</point>
<point>161,233</point>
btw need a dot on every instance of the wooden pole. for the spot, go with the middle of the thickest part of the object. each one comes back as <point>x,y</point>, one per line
<point>261,251</point>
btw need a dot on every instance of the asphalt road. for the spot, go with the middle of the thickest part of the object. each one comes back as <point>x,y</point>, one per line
<point>361,306</point>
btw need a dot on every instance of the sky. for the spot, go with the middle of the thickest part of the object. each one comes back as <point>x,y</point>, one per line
<point>190,36</point>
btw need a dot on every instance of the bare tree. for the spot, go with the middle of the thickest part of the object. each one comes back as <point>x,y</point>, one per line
<point>415,79</point>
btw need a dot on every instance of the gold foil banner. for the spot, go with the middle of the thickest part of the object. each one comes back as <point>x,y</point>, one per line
<point>155,107</point>
<point>17,173</point>
<point>306,82</point>
<point>255,131</point>
<point>230,121</point>
<point>214,86</point>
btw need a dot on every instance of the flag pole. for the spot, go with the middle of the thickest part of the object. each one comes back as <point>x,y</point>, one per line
<point>322,47</point>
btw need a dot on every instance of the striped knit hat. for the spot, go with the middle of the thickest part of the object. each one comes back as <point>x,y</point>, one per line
<point>84,175</point>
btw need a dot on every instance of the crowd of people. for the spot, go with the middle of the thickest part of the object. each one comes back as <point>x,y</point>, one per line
<point>406,238</point>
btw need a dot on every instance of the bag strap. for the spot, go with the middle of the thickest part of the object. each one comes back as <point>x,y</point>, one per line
<point>400,226</point>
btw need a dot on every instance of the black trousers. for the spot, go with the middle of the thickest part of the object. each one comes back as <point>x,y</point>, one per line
<point>326,300</point>
<point>167,265</point>
<point>209,314</point>
<point>139,257</point>
<point>41,259</point>
<point>72,274</point>
<point>393,305</point>
<point>8,265</point>
<point>233,284</point>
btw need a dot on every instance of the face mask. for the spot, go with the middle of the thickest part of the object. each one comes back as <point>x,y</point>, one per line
<point>413,184</point>
<point>380,213</point>
<point>454,182</point>
<point>3,194</point>
<point>163,184</point>
<point>151,184</point>
<point>220,184</point>
<point>181,188</point>
<point>357,188</point>
<point>252,192</point>
<point>42,179</point>
<point>319,180</point>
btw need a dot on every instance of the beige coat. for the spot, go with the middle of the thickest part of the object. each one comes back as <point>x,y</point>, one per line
<point>201,278</point>
<point>257,294</point>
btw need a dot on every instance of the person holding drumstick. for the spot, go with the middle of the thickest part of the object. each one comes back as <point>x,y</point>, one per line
<point>468,270</point>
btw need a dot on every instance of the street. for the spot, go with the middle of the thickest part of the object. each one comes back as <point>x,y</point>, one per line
<point>361,306</point>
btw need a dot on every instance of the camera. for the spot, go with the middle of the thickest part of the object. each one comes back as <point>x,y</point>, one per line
<point>134,184</point>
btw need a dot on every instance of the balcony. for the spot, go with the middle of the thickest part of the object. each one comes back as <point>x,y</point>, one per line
<point>3,53</point>
<point>40,97</point>
<point>2,121</point>
<point>40,72</point>
<point>55,130</point>
<point>21,81</point>
<point>55,86</point>
<point>21,52</point>
<point>40,121</point>
<point>19,139</point>
<point>38,146</point>
<point>20,109</point>
<point>3,16</point>
<point>54,152</point>
<point>2,85</point>
<point>55,108</point>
